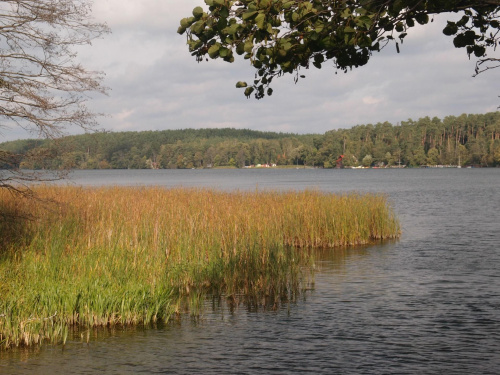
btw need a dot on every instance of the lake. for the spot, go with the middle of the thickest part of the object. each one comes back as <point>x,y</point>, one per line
<point>426,304</point>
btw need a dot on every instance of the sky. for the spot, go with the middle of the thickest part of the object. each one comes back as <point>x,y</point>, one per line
<point>155,84</point>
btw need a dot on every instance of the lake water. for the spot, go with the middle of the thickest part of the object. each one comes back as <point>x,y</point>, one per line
<point>427,304</point>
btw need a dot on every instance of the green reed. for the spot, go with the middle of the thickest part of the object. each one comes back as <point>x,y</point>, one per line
<point>91,257</point>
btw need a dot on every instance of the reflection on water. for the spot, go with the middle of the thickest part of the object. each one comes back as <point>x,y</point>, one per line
<point>429,303</point>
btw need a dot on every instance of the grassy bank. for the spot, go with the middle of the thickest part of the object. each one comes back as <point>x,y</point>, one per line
<point>116,256</point>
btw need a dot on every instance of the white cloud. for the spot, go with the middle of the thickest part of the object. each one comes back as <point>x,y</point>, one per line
<point>370,100</point>
<point>124,115</point>
<point>152,14</point>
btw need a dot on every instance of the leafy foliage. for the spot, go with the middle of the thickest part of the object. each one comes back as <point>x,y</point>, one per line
<point>284,36</point>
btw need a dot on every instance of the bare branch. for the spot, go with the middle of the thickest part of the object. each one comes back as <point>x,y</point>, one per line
<point>42,88</point>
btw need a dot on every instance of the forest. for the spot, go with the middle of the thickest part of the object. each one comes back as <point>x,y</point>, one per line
<point>465,140</point>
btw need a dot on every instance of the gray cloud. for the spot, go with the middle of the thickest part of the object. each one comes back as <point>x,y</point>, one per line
<point>157,85</point>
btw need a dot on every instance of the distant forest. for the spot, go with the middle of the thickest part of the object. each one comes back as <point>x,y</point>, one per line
<point>463,140</point>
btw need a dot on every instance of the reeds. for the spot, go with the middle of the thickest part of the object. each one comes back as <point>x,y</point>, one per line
<point>119,256</point>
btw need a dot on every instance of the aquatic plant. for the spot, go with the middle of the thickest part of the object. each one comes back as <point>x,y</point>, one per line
<point>122,256</point>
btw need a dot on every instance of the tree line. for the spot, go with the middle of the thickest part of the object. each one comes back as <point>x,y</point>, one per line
<point>454,140</point>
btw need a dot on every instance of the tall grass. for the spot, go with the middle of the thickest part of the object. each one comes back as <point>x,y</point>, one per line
<point>120,256</point>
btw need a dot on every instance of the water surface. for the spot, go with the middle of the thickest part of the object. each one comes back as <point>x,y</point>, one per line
<point>427,304</point>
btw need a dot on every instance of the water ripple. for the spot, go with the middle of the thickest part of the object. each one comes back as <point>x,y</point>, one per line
<point>427,304</point>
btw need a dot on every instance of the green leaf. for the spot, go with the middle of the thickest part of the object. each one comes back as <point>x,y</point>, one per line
<point>319,58</point>
<point>422,18</point>
<point>479,51</point>
<point>198,27</point>
<point>459,41</point>
<point>361,11</point>
<point>346,13</point>
<point>307,6</point>
<point>397,6</point>
<point>240,48</point>
<point>264,4</point>
<point>213,51</point>
<point>224,12</point>
<point>198,12</point>
<point>287,46</point>
<point>463,21</point>
<point>367,21</point>
<point>260,20</point>
<point>241,84</point>
<point>248,46</point>
<point>366,41</point>
<point>209,2</point>
<point>389,27</point>
<point>248,91</point>
<point>248,15</point>
<point>197,44</point>
<point>319,26</point>
<point>221,23</point>
<point>233,29</point>
<point>470,37</point>
<point>465,39</point>
<point>186,22</point>
<point>450,29</point>
<point>375,47</point>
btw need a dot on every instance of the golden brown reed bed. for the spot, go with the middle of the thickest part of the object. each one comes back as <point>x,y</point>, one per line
<point>115,255</point>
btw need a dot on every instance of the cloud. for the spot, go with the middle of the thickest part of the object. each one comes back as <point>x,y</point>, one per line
<point>157,85</point>
<point>171,90</point>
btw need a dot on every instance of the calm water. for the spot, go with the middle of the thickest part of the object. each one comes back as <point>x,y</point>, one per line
<point>428,304</point>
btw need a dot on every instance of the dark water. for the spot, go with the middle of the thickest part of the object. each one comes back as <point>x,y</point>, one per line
<point>428,304</point>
